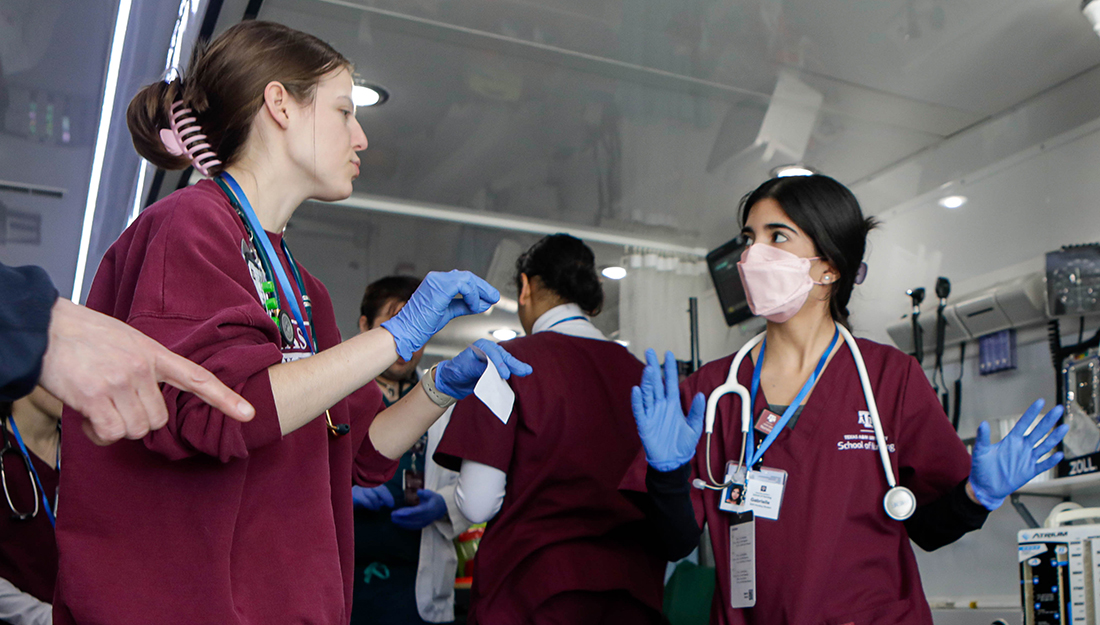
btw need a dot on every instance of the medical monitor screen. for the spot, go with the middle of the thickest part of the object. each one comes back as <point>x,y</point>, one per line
<point>727,281</point>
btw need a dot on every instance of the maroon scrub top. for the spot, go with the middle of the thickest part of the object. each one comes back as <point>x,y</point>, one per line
<point>208,520</point>
<point>564,525</point>
<point>28,549</point>
<point>833,556</point>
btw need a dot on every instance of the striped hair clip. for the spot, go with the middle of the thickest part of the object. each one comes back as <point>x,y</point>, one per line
<point>184,136</point>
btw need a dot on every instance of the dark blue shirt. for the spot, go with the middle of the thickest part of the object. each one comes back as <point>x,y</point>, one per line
<point>26,297</point>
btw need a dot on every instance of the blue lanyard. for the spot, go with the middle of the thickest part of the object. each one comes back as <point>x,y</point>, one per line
<point>755,457</point>
<point>34,472</point>
<point>260,235</point>
<point>556,323</point>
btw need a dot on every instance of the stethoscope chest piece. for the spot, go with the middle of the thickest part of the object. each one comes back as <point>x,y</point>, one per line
<point>900,503</point>
<point>286,328</point>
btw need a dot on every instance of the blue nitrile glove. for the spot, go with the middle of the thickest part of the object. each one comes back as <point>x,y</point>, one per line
<point>669,438</point>
<point>996,471</point>
<point>423,514</point>
<point>434,304</point>
<point>458,376</point>
<point>371,498</point>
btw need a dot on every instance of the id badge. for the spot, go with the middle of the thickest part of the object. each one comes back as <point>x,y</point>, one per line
<point>411,482</point>
<point>733,496</point>
<point>764,492</point>
<point>742,560</point>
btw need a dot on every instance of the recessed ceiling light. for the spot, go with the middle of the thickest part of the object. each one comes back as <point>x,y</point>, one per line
<point>368,95</point>
<point>785,171</point>
<point>504,334</point>
<point>614,273</point>
<point>952,201</point>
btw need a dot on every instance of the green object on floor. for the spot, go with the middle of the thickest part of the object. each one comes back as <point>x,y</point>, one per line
<point>688,594</point>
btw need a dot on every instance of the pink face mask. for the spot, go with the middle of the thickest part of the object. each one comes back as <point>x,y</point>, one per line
<point>776,282</point>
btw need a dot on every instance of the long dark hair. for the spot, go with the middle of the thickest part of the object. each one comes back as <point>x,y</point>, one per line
<point>828,212</point>
<point>224,87</point>
<point>567,267</point>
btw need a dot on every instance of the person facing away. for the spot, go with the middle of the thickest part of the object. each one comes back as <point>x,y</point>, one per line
<point>575,531</point>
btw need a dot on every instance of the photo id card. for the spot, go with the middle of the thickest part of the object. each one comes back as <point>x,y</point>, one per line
<point>764,492</point>
<point>732,498</point>
<point>742,560</point>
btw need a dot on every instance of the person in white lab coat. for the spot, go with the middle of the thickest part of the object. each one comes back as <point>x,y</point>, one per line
<point>405,558</point>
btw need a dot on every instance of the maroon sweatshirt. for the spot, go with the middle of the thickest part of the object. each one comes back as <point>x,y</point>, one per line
<point>570,448</point>
<point>209,520</point>
<point>833,556</point>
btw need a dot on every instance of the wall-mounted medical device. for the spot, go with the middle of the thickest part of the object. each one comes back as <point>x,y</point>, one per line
<point>1081,394</point>
<point>1014,303</point>
<point>1060,574</point>
<point>1073,280</point>
<point>722,263</point>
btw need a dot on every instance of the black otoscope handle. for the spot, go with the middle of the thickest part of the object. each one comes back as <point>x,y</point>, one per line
<point>941,329</point>
<point>918,339</point>
<point>958,404</point>
<point>943,289</point>
<point>917,296</point>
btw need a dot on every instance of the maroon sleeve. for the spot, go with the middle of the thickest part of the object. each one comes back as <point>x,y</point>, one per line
<point>240,359</point>
<point>371,468</point>
<point>179,276</point>
<point>475,433</point>
<point>931,458</point>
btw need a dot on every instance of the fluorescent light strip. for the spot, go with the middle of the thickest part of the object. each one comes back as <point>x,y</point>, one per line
<point>118,40</point>
<point>502,222</point>
<point>139,191</point>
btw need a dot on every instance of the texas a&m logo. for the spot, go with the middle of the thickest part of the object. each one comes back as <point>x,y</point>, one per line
<point>865,419</point>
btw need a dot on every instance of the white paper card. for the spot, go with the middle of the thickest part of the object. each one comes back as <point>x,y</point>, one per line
<point>494,392</point>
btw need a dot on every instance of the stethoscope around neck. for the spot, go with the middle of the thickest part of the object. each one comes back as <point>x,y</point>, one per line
<point>899,502</point>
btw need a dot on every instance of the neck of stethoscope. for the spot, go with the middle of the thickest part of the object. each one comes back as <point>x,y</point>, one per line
<point>733,386</point>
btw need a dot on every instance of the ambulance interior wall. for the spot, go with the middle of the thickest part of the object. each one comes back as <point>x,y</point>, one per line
<point>1019,208</point>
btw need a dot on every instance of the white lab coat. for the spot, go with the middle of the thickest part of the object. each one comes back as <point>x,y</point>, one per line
<point>435,575</point>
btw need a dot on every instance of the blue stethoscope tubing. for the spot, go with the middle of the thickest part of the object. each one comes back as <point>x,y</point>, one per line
<point>34,473</point>
<point>899,502</point>
<point>276,266</point>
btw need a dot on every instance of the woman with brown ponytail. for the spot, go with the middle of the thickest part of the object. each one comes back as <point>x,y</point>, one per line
<point>209,520</point>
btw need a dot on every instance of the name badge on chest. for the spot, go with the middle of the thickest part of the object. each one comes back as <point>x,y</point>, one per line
<point>758,491</point>
<point>764,492</point>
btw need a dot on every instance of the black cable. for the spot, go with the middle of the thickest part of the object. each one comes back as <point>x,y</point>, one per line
<point>957,411</point>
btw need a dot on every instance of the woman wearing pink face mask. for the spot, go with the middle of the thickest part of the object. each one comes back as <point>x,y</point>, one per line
<point>818,546</point>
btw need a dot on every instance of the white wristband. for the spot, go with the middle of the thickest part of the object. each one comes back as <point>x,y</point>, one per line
<point>428,384</point>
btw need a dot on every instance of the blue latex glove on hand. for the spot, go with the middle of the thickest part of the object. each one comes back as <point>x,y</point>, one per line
<point>434,304</point>
<point>458,376</point>
<point>668,436</point>
<point>371,498</point>
<point>996,471</point>
<point>430,508</point>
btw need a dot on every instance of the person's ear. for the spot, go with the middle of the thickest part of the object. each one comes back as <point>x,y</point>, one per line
<point>524,290</point>
<point>830,276</point>
<point>363,325</point>
<point>277,103</point>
